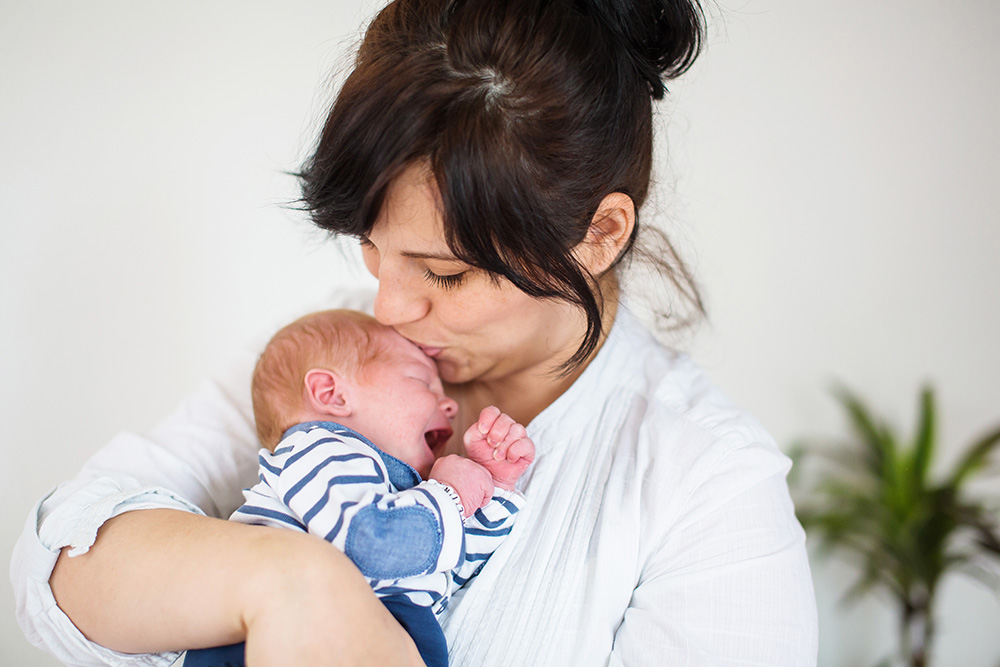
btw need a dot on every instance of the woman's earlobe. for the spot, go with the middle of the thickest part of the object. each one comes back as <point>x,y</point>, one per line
<point>610,230</point>
<point>327,393</point>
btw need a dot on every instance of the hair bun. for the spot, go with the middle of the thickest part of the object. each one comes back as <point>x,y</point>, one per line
<point>661,37</point>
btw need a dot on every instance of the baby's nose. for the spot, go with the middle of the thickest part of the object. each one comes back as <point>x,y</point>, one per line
<point>449,407</point>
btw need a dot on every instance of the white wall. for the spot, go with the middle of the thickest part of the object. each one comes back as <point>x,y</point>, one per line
<point>833,174</point>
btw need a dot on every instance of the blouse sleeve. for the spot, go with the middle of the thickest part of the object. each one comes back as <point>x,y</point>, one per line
<point>733,574</point>
<point>197,460</point>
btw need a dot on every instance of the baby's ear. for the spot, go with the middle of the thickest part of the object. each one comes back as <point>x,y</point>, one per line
<point>327,392</point>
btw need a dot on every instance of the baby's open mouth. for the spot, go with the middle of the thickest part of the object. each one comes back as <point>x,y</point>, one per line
<point>437,438</point>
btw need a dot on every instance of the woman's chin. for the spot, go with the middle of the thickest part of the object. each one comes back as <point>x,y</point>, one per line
<point>451,372</point>
<point>457,372</point>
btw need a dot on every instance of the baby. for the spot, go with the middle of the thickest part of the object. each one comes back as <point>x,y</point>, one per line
<point>353,418</point>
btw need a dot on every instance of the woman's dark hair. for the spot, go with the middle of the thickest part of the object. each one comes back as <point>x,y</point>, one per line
<point>527,112</point>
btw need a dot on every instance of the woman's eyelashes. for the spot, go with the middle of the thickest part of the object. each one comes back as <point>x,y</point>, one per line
<point>445,282</point>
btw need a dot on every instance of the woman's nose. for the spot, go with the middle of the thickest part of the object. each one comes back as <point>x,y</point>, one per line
<point>449,407</point>
<point>398,302</point>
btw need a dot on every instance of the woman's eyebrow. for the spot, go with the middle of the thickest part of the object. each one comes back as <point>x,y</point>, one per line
<point>445,257</point>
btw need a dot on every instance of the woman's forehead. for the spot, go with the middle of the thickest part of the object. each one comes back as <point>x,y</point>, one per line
<point>413,196</point>
<point>411,220</point>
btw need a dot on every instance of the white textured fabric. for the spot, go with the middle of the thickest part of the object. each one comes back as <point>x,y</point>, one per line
<point>658,530</point>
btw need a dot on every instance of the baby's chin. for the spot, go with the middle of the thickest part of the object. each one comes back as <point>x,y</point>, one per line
<point>424,464</point>
<point>424,469</point>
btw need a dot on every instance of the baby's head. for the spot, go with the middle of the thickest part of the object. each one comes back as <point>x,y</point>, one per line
<point>345,367</point>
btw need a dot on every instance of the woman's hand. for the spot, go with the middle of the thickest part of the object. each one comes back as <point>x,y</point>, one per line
<point>160,580</point>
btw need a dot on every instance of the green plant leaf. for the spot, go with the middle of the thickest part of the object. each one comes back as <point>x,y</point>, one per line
<point>983,526</point>
<point>864,585</point>
<point>975,458</point>
<point>875,502</point>
<point>879,453</point>
<point>987,576</point>
<point>923,447</point>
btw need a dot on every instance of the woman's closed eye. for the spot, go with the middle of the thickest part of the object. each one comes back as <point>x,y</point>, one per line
<point>445,281</point>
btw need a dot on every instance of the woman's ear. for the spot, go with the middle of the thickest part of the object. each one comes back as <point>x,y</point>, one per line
<point>609,233</point>
<point>327,393</point>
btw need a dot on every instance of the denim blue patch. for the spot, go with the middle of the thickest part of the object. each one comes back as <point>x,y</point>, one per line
<point>401,474</point>
<point>394,543</point>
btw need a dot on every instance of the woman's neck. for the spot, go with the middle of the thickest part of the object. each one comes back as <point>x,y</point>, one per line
<point>522,395</point>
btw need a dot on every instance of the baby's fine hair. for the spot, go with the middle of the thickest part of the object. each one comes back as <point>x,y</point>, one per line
<point>342,341</point>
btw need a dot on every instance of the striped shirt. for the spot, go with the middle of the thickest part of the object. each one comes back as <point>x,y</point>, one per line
<point>407,536</point>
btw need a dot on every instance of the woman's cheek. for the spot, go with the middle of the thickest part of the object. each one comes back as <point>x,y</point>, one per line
<point>370,257</point>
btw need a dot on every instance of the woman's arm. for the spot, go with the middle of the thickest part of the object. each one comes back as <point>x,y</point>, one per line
<point>730,584</point>
<point>196,460</point>
<point>159,580</point>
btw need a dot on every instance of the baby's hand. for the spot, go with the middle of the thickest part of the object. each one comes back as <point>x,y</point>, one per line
<point>471,481</point>
<point>501,445</point>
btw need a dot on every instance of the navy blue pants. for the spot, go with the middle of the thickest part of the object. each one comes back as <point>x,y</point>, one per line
<point>419,622</point>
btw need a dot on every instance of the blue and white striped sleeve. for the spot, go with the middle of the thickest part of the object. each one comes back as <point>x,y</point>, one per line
<point>338,488</point>
<point>264,508</point>
<point>485,530</point>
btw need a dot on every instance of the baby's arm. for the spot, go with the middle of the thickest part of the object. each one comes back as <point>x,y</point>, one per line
<point>501,445</point>
<point>336,487</point>
<point>471,481</point>
<point>485,530</point>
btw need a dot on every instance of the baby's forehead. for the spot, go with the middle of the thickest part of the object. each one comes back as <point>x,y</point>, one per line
<point>391,346</point>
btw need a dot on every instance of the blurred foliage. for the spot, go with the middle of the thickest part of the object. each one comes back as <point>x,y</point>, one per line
<point>873,498</point>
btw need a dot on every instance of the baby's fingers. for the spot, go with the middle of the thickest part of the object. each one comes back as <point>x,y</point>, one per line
<point>486,419</point>
<point>515,433</point>
<point>521,449</point>
<point>498,431</point>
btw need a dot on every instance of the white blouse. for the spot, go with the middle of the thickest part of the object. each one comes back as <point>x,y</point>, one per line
<point>658,530</point>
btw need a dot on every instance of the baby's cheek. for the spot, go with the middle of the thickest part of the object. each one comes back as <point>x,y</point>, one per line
<point>455,445</point>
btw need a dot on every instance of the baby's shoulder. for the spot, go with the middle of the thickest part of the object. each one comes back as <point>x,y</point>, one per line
<point>317,444</point>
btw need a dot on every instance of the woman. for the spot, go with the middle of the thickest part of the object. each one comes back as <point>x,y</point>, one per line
<point>491,157</point>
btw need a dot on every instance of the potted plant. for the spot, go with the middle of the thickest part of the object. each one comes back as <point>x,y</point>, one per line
<point>875,500</point>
